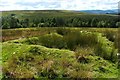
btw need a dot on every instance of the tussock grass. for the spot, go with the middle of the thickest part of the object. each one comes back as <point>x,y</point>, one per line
<point>75,53</point>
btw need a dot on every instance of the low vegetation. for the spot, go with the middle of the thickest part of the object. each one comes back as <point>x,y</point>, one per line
<point>57,44</point>
<point>61,53</point>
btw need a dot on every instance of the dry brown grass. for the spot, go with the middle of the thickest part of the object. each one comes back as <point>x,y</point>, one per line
<point>11,34</point>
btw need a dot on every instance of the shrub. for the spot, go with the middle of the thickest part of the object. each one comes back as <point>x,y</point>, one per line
<point>82,38</point>
<point>63,31</point>
<point>71,40</point>
<point>105,49</point>
<point>111,35</point>
<point>52,40</point>
<point>33,40</point>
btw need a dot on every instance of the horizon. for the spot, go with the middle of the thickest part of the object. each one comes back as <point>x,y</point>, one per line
<point>7,5</point>
<point>61,10</point>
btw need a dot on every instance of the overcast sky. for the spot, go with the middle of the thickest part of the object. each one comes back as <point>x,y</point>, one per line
<point>58,4</point>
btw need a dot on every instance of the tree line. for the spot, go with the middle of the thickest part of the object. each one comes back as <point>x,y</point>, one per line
<point>74,21</point>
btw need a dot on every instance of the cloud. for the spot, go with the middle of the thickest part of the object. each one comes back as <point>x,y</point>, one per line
<point>58,4</point>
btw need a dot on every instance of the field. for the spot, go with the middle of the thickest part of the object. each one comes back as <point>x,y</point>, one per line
<point>51,53</point>
<point>57,44</point>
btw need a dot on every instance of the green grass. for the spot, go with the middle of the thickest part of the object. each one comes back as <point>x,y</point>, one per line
<point>71,40</point>
<point>59,52</point>
<point>0,60</point>
<point>11,34</point>
<point>30,57</point>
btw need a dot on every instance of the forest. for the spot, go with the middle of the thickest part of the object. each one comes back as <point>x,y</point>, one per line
<point>58,19</point>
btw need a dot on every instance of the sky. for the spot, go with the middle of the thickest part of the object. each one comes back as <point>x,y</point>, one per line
<point>58,4</point>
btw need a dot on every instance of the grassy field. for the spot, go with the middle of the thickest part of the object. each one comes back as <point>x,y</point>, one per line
<point>51,53</point>
<point>9,34</point>
<point>49,13</point>
<point>53,44</point>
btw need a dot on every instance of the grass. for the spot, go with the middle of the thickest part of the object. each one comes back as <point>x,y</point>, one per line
<point>42,56</point>
<point>46,55</point>
<point>101,45</point>
<point>0,60</point>
<point>62,63</point>
<point>22,33</point>
<point>11,34</point>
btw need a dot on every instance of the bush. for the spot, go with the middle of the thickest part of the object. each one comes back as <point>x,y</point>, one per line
<point>63,31</point>
<point>33,40</point>
<point>106,49</point>
<point>111,35</point>
<point>82,38</point>
<point>52,40</point>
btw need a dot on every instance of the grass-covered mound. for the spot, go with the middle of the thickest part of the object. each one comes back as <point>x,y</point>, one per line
<point>73,40</point>
<point>81,54</point>
<point>28,61</point>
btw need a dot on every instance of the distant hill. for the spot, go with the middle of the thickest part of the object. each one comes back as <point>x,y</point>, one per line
<point>114,11</point>
<point>56,18</point>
